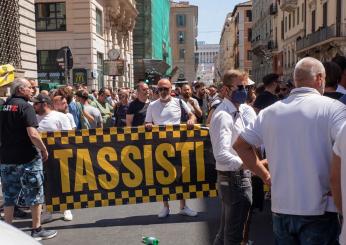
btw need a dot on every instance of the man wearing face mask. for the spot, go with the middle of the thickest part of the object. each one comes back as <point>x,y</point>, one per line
<point>234,183</point>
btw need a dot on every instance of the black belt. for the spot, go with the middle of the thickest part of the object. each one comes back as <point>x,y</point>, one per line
<point>242,173</point>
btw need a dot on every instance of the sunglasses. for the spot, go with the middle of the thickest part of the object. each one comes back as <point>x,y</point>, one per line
<point>163,89</point>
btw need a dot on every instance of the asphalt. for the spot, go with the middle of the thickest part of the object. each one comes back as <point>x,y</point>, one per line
<point>127,224</point>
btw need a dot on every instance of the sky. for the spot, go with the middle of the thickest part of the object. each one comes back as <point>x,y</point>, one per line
<point>211,17</point>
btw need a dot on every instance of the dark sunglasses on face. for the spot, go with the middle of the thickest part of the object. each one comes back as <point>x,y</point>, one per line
<point>163,89</point>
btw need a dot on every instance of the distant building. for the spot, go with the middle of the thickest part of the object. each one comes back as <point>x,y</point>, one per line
<point>183,24</point>
<point>226,56</point>
<point>90,29</point>
<point>206,54</point>
<point>242,14</point>
<point>151,43</point>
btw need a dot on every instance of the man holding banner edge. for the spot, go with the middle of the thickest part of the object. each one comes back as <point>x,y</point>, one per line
<point>168,110</point>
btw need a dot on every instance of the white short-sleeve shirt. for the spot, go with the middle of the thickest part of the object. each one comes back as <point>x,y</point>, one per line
<point>53,121</point>
<point>340,150</point>
<point>298,135</point>
<point>160,113</point>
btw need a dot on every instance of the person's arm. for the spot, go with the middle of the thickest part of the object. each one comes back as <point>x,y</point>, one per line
<point>148,122</point>
<point>335,182</point>
<point>37,141</point>
<point>192,120</point>
<point>196,107</point>
<point>248,155</point>
<point>129,119</point>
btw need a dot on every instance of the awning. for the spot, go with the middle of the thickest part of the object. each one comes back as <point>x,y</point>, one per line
<point>6,75</point>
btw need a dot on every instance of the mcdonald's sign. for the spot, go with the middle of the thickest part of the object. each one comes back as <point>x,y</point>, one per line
<point>80,76</point>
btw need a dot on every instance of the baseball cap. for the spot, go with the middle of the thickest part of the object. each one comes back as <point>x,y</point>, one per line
<point>42,98</point>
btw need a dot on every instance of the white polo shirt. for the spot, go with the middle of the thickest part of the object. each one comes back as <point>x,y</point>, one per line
<point>340,150</point>
<point>160,113</point>
<point>225,126</point>
<point>298,134</point>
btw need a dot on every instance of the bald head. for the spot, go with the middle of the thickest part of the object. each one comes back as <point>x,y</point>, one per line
<point>164,82</point>
<point>306,72</point>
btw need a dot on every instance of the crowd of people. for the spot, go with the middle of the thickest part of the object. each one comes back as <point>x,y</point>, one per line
<point>283,134</point>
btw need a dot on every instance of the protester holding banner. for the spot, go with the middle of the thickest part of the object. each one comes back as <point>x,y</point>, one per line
<point>164,111</point>
<point>137,111</point>
<point>234,183</point>
<point>21,163</point>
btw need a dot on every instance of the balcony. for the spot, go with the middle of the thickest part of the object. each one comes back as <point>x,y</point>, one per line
<point>272,45</point>
<point>273,9</point>
<point>289,5</point>
<point>323,35</point>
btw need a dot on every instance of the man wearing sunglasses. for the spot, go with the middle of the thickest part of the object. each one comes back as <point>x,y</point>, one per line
<point>234,183</point>
<point>168,110</point>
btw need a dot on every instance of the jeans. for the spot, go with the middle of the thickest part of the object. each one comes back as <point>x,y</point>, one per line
<point>23,180</point>
<point>306,230</point>
<point>236,195</point>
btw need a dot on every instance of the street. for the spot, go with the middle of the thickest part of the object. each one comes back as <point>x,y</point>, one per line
<point>127,224</point>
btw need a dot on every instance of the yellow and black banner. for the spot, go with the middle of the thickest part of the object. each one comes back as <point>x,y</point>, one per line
<point>118,166</point>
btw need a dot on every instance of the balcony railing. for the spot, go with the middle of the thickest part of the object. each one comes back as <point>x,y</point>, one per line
<point>289,5</point>
<point>337,30</point>
<point>273,9</point>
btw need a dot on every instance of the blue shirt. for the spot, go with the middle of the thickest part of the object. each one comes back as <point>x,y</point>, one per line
<point>75,111</point>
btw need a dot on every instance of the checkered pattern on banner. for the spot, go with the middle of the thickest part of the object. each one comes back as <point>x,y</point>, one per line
<point>98,199</point>
<point>100,135</point>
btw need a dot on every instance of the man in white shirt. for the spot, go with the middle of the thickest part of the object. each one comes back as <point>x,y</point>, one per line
<point>338,177</point>
<point>49,121</point>
<point>60,105</point>
<point>234,183</point>
<point>164,111</point>
<point>298,134</point>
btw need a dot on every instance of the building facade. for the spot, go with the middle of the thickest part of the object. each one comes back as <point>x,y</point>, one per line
<point>206,54</point>
<point>263,38</point>
<point>18,37</point>
<point>90,29</point>
<point>325,30</point>
<point>242,15</point>
<point>183,24</point>
<point>152,47</point>
<point>226,56</point>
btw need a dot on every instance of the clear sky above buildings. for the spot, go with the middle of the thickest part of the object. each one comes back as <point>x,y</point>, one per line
<point>211,17</point>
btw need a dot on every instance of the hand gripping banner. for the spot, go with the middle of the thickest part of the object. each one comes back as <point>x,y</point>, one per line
<point>118,166</point>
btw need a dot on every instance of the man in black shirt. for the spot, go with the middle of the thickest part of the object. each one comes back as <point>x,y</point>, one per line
<point>268,97</point>
<point>200,96</point>
<point>137,111</point>
<point>333,75</point>
<point>21,163</point>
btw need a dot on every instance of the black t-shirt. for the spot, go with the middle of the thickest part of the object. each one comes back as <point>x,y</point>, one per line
<point>120,115</point>
<point>333,95</point>
<point>264,100</point>
<point>139,110</point>
<point>16,147</point>
<point>200,103</point>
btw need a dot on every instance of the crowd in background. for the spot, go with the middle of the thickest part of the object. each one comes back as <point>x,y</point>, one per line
<point>228,108</point>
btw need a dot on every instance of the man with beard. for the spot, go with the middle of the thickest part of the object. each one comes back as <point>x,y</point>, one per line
<point>200,96</point>
<point>234,183</point>
<point>60,105</point>
<point>167,111</point>
<point>186,95</point>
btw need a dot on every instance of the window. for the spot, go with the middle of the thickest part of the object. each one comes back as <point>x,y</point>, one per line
<point>249,15</point>
<point>181,37</point>
<point>249,34</point>
<point>298,16</point>
<point>313,21</point>
<point>303,10</point>
<point>181,20</point>
<point>289,21</point>
<point>182,54</point>
<point>294,19</point>
<point>99,22</point>
<point>47,66</point>
<point>282,30</point>
<point>286,24</point>
<point>100,78</point>
<point>325,14</point>
<point>50,16</point>
<point>249,55</point>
